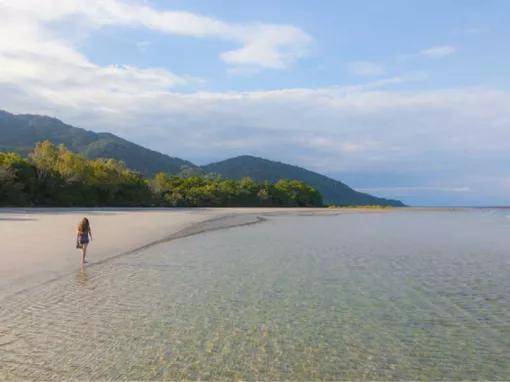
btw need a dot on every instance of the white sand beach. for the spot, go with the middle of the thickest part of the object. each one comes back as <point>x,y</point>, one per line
<point>38,244</point>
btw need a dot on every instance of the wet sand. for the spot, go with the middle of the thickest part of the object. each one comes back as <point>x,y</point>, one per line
<point>38,244</point>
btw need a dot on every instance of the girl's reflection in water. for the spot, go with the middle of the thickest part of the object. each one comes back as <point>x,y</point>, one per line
<point>83,278</point>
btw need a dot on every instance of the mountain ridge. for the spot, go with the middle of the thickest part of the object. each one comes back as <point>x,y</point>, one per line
<point>261,169</point>
<point>20,132</point>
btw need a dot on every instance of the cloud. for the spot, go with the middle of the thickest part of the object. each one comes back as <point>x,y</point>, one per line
<point>263,45</point>
<point>367,68</point>
<point>438,51</point>
<point>349,129</point>
<point>456,136</point>
<point>143,45</point>
<point>467,31</point>
<point>448,136</point>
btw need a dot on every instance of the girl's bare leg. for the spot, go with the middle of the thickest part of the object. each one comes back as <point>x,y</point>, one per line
<point>83,253</point>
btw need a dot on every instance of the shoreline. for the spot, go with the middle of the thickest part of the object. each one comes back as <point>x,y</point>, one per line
<point>38,243</point>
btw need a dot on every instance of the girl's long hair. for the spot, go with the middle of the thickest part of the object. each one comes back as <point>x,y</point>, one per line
<point>84,225</point>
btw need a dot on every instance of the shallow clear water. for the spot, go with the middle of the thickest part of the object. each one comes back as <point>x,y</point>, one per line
<point>406,295</point>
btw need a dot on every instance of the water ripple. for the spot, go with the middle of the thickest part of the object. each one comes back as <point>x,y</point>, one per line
<point>262,303</point>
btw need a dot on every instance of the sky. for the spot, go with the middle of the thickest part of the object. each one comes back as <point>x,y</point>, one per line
<point>406,99</point>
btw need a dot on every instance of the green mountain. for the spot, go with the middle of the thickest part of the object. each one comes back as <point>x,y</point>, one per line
<point>20,133</point>
<point>333,191</point>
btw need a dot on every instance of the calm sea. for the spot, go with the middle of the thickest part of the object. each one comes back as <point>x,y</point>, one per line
<point>398,295</point>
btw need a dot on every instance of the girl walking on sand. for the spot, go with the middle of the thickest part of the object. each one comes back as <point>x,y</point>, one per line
<point>82,237</point>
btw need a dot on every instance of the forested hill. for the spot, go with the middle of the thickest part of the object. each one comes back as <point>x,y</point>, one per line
<point>20,133</point>
<point>333,191</point>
